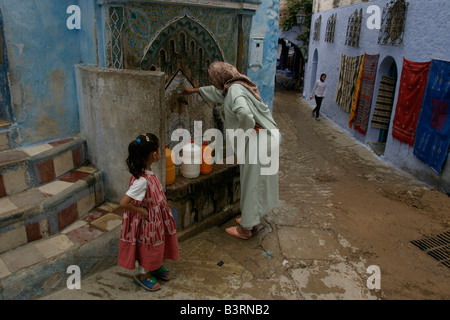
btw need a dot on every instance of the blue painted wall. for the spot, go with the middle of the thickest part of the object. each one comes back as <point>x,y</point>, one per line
<point>265,24</point>
<point>42,53</point>
<point>426,37</point>
<point>5,94</point>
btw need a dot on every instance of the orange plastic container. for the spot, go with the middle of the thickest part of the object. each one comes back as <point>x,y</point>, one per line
<point>206,166</point>
<point>170,167</point>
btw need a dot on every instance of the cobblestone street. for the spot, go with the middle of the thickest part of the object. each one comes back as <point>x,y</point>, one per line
<point>342,210</point>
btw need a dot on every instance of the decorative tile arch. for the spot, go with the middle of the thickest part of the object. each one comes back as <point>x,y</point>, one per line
<point>187,45</point>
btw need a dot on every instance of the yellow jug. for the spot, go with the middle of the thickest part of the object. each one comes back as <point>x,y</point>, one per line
<point>170,167</point>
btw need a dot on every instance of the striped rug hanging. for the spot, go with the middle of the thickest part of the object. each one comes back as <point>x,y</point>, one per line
<point>383,107</point>
<point>366,93</point>
<point>348,77</point>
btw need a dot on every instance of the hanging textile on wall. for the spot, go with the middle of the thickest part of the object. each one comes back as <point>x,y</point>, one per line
<point>411,90</point>
<point>366,93</point>
<point>350,67</point>
<point>433,129</point>
<point>383,108</point>
<point>356,94</point>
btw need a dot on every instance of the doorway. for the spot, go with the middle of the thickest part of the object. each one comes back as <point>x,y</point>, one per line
<point>290,66</point>
<point>381,118</point>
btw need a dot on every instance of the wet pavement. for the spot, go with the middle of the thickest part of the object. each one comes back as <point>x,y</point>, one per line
<point>306,250</point>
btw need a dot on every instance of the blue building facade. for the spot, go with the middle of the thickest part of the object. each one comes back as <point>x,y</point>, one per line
<point>421,36</point>
<point>42,52</point>
<point>265,26</point>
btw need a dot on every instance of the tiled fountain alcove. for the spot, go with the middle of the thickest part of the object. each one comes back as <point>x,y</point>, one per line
<point>180,39</point>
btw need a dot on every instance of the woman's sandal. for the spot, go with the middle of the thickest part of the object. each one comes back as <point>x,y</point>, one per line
<point>149,284</point>
<point>255,228</point>
<point>161,273</point>
<point>239,232</point>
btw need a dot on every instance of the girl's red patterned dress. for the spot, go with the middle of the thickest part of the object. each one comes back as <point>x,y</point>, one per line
<point>149,240</point>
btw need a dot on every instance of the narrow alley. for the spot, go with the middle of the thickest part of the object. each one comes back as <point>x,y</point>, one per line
<point>342,211</point>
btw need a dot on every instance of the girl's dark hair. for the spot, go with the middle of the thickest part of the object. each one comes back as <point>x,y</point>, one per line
<point>138,152</point>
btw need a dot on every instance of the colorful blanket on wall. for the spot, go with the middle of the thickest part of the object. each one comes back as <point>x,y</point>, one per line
<point>433,129</point>
<point>356,94</point>
<point>383,108</point>
<point>364,105</point>
<point>348,75</point>
<point>412,87</point>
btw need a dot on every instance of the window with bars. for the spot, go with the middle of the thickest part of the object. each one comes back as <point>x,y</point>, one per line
<point>331,27</point>
<point>317,25</point>
<point>393,23</point>
<point>354,29</point>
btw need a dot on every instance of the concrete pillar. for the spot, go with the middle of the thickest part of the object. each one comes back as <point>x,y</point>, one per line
<point>116,106</point>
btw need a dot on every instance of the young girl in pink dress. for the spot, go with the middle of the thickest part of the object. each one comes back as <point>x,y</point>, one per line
<point>148,233</point>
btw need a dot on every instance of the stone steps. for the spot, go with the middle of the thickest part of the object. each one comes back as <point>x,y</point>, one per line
<point>25,168</point>
<point>52,215</point>
<point>41,267</point>
<point>43,189</point>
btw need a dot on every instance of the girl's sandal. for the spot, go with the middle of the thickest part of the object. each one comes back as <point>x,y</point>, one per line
<point>149,284</point>
<point>162,273</point>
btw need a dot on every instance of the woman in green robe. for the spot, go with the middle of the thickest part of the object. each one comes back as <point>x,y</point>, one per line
<point>244,109</point>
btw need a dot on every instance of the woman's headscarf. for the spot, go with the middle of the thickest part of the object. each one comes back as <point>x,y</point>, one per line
<point>222,75</point>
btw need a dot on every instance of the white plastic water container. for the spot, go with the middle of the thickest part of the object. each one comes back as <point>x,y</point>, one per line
<point>192,157</point>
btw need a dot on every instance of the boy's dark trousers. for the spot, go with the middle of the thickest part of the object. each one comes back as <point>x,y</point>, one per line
<point>318,104</point>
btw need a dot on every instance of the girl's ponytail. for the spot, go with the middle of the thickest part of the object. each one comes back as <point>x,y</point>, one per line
<point>138,152</point>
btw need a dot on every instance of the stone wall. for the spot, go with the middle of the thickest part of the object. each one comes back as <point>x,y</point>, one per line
<point>115,107</point>
<point>205,201</point>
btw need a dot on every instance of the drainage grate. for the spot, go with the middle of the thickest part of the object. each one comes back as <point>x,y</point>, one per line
<point>437,247</point>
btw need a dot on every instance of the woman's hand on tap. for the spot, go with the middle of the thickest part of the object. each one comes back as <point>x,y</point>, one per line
<point>188,91</point>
